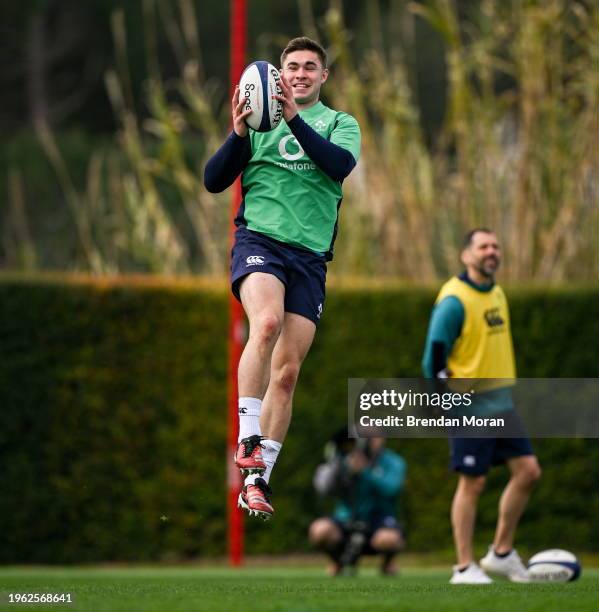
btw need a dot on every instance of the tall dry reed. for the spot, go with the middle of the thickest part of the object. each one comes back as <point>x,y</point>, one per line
<point>524,160</point>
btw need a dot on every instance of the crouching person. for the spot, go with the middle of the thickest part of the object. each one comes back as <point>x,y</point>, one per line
<point>365,479</point>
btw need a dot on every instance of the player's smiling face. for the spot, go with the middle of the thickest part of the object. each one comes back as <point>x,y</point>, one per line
<point>305,74</point>
<point>483,256</point>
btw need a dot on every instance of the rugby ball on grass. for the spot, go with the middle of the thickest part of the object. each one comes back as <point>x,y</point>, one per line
<point>554,565</point>
<point>259,82</point>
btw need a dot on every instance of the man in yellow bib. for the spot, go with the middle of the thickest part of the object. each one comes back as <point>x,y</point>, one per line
<point>469,337</point>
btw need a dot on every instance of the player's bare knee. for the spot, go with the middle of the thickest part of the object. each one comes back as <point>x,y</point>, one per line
<point>286,377</point>
<point>530,473</point>
<point>317,530</point>
<point>386,540</point>
<point>323,532</point>
<point>473,485</point>
<point>268,327</point>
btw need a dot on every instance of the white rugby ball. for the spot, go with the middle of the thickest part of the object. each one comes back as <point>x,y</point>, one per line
<point>259,82</point>
<point>554,565</point>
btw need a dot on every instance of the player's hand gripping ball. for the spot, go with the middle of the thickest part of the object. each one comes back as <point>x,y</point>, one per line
<point>259,82</point>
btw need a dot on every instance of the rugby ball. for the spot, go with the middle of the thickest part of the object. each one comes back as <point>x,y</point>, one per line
<point>554,565</point>
<point>259,82</point>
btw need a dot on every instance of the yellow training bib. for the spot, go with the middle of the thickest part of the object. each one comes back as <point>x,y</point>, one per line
<point>484,348</point>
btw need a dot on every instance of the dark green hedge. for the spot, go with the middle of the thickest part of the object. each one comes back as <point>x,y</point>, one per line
<point>112,430</point>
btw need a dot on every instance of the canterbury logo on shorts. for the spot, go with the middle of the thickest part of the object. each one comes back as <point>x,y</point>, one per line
<point>254,260</point>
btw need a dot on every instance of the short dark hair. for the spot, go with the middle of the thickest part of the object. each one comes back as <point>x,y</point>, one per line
<point>470,235</point>
<point>303,43</point>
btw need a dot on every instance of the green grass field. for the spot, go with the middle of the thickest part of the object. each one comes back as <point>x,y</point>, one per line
<point>285,589</point>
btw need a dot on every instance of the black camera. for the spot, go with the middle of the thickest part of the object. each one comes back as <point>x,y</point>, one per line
<point>340,446</point>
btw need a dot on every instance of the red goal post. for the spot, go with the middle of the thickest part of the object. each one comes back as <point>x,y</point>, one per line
<point>235,527</point>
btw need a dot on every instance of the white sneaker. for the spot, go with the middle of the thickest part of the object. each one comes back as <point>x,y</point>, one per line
<point>511,566</point>
<point>471,575</point>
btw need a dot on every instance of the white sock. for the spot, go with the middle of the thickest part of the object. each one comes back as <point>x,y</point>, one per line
<point>270,452</point>
<point>249,417</point>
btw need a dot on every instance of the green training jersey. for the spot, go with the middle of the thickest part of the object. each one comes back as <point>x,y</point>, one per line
<point>286,196</point>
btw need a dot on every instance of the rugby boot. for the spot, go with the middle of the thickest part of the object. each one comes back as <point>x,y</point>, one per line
<point>254,498</point>
<point>248,457</point>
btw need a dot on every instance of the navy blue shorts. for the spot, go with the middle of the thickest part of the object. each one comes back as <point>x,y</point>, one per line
<point>475,456</point>
<point>302,272</point>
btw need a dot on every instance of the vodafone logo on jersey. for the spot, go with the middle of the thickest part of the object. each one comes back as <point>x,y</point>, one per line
<point>254,260</point>
<point>290,149</point>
